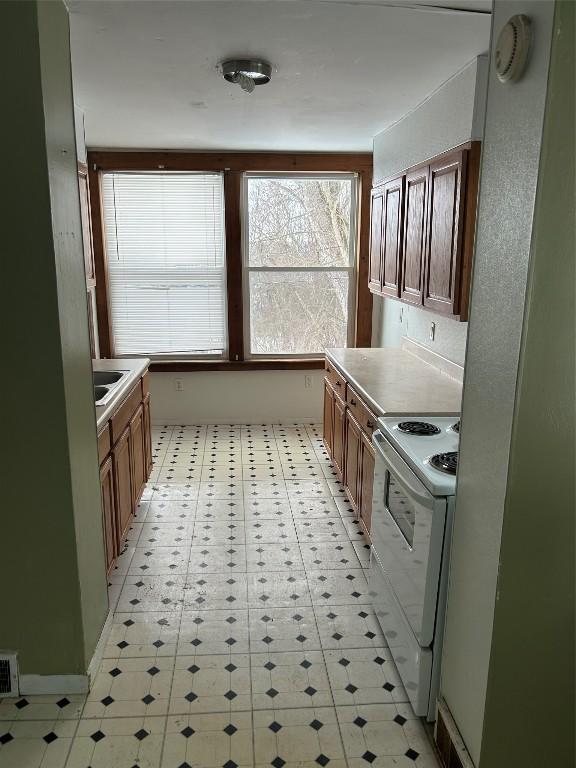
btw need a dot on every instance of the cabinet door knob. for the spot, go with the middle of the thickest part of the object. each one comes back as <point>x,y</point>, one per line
<point>353,402</point>
<point>337,384</point>
<point>370,424</point>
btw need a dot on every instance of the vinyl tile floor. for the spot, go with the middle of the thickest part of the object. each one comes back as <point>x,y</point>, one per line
<point>242,633</point>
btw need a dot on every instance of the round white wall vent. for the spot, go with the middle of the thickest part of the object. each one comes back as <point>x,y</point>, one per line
<point>512,48</point>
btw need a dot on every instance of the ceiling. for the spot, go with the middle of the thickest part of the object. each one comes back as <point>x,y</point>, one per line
<point>146,72</point>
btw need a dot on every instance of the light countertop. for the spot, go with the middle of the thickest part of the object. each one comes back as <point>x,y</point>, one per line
<point>397,382</point>
<point>136,368</point>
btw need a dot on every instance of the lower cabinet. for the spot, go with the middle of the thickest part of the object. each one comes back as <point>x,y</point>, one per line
<point>366,482</point>
<point>352,463</point>
<point>108,512</point>
<point>122,460</point>
<point>338,436</point>
<point>147,434</point>
<point>348,427</point>
<point>328,426</point>
<point>125,451</point>
<point>139,475</point>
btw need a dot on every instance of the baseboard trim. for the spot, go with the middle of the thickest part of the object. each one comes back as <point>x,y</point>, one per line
<point>99,650</point>
<point>33,685</point>
<point>451,748</point>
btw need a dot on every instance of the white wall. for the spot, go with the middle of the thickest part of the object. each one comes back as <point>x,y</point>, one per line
<point>237,397</point>
<point>79,129</point>
<point>509,175</point>
<point>452,115</point>
<point>396,320</point>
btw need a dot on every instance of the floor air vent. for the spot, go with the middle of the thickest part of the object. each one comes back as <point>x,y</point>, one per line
<point>8,675</point>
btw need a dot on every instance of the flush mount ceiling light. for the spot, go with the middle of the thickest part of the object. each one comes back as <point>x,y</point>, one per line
<point>247,73</point>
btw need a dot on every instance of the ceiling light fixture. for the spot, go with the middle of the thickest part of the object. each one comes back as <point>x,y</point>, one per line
<point>247,73</point>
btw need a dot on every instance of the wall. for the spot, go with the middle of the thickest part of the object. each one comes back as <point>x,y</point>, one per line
<point>237,397</point>
<point>452,115</point>
<point>509,174</point>
<point>535,600</point>
<point>54,601</point>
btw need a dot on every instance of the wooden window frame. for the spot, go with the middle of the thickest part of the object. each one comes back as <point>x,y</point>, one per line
<point>234,165</point>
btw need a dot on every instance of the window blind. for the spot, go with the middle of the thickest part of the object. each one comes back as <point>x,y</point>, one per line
<point>165,249</point>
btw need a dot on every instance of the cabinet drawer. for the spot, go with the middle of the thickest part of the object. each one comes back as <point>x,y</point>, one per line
<point>104,443</point>
<point>335,378</point>
<point>122,417</point>
<point>360,410</point>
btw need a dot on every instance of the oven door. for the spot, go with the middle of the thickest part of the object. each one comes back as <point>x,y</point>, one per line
<point>408,525</point>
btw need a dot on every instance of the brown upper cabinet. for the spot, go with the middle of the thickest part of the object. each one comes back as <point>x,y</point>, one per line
<point>386,233</point>
<point>414,235</point>
<point>422,231</point>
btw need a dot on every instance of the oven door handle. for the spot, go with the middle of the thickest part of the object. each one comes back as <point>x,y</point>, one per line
<point>402,472</point>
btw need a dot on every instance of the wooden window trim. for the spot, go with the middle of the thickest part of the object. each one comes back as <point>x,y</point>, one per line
<point>233,164</point>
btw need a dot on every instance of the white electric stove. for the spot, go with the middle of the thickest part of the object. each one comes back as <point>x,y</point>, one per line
<point>413,502</point>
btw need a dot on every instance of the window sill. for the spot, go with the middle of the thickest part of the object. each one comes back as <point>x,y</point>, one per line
<point>262,364</point>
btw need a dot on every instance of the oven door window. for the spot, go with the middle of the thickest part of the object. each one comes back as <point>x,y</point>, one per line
<point>401,508</point>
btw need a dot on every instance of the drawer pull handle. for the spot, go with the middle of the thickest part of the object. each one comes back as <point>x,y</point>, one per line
<point>370,425</point>
<point>337,384</point>
<point>353,402</point>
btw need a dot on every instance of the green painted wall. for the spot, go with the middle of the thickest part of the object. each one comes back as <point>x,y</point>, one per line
<point>52,565</point>
<point>529,717</point>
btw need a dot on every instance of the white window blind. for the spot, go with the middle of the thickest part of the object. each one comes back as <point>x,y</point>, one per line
<point>166,270</point>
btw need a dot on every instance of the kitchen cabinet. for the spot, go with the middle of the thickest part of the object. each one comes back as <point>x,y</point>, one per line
<point>338,424</point>
<point>108,512</point>
<point>366,482</point>
<point>443,247</point>
<point>375,259</point>
<point>414,235</point>
<point>348,427</point>
<point>328,416</point>
<point>352,461</point>
<point>125,456</point>
<point>123,488</point>
<point>385,244</point>
<point>422,229</point>
<point>147,434</point>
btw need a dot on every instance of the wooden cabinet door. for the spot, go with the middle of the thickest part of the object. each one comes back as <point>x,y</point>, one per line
<point>376,222</point>
<point>414,235</point>
<point>366,480</point>
<point>443,248</point>
<point>108,512</point>
<point>86,226</point>
<point>328,427</point>
<point>138,454</point>
<point>392,236</point>
<point>338,435</point>
<point>123,495</point>
<point>147,435</point>
<point>352,458</point>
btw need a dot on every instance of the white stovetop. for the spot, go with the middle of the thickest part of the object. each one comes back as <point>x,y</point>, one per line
<point>417,450</point>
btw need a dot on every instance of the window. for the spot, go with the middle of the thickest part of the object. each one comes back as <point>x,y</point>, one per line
<point>299,257</point>
<point>164,238</point>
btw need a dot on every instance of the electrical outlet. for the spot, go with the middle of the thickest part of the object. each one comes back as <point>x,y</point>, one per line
<point>432,331</point>
<point>179,385</point>
<point>307,382</point>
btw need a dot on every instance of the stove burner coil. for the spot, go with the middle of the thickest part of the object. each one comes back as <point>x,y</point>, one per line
<point>445,462</point>
<point>420,428</point>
